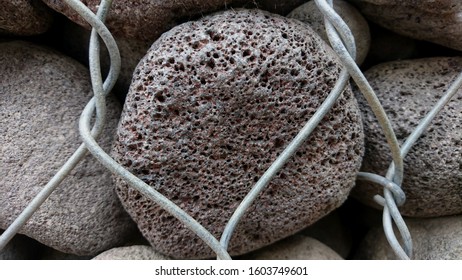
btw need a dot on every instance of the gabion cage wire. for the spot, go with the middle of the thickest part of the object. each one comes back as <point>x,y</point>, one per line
<point>343,43</point>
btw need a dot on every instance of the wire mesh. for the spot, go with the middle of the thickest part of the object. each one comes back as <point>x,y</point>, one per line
<point>343,43</point>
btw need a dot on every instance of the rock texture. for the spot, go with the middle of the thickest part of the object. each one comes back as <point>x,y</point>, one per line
<point>297,247</point>
<point>211,106</point>
<point>433,239</point>
<point>432,171</point>
<point>437,21</point>
<point>135,252</point>
<point>42,96</point>
<point>310,14</point>
<point>145,20</point>
<point>24,17</point>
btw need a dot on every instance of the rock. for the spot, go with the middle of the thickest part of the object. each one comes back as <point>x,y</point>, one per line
<point>310,14</point>
<point>145,21</point>
<point>135,252</point>
<point>43,94</point>
<point>433,239</point>
<point>435,21</point>
<point>24,17</point>
<point>331,231</point>
<point>432,174</point>
<point>297,247</point>
<point>211,106</point>
<point>75,42</point>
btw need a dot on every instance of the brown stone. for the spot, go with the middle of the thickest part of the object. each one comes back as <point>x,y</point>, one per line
<point>437,21</point>
<point>408,90</point>
<point>211,106</point>
<point>24,17</point>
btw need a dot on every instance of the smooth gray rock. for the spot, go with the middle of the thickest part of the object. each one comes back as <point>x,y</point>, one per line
<point>437,21</point>
<point>24,17</point>
<point>310,14</point>
<point>211,106</point>
<point>432,169</point>
<point>433,239</point>
<point>297,247</point>
<point>42,96</point>
<point>135,252</point>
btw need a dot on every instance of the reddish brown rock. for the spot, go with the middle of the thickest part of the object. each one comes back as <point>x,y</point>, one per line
<point>211,106</point>
<point>437,21</point>
<point>408,90</point>
<point>24,17</point>
<point>145,20</point>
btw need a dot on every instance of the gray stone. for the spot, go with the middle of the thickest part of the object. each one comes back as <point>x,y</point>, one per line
<point>310,14</point>
<point>432,169</point>
<point>297,247</point>
<point>135,252</point>
<point>279,7</point>
<point>24,17</point>
<point>146,20</point>
<point>437,21</point>
<point>331,231</point>
<point>42,96</point>
<point>433,239</point>
<point>211,106</point>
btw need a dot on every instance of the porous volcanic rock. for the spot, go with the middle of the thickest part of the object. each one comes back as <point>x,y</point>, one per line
<point>296,247</point>
<point>310,14</point>
<point>437,21</point>
<point>24,17</point>
<point>134,252</point>
<point>144,20</point>
<point>432,169</point>
<point>42,96</point>
<point>433,239</point>
<point>211,106</point>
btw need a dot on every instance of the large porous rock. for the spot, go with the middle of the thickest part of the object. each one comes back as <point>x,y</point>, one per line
<point>24,17</point>
<point>211,106</point>
<point>134,252</point>
<point>296,247</point>
<point>437,21</point>
<point>433,239</point>
<point>310,14</point>
<point>42,96</point>
<point>145,20</point>
<point>432,174</point>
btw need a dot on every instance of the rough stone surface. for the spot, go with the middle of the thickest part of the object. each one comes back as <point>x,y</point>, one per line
<point>432,169</point>
<point>297,247</point>
<point>135,252</point>
<point>437,21</point>
<point>145,20</point>
<point>433,239</point>
<point>24,17</point>
<point>211,106</point>
<point>42,96</point>
<point>74,41</point>
<point>310,14</point>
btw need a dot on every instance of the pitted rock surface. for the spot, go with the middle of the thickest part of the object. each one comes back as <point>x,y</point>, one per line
<point>211,106</point>
<point>24,17</point>
<point>310,14</point>
<point>433,239</point>
<point>432,169</point>
<point>145,20</point>
<point>42,96</point>
<point>437,21</point>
